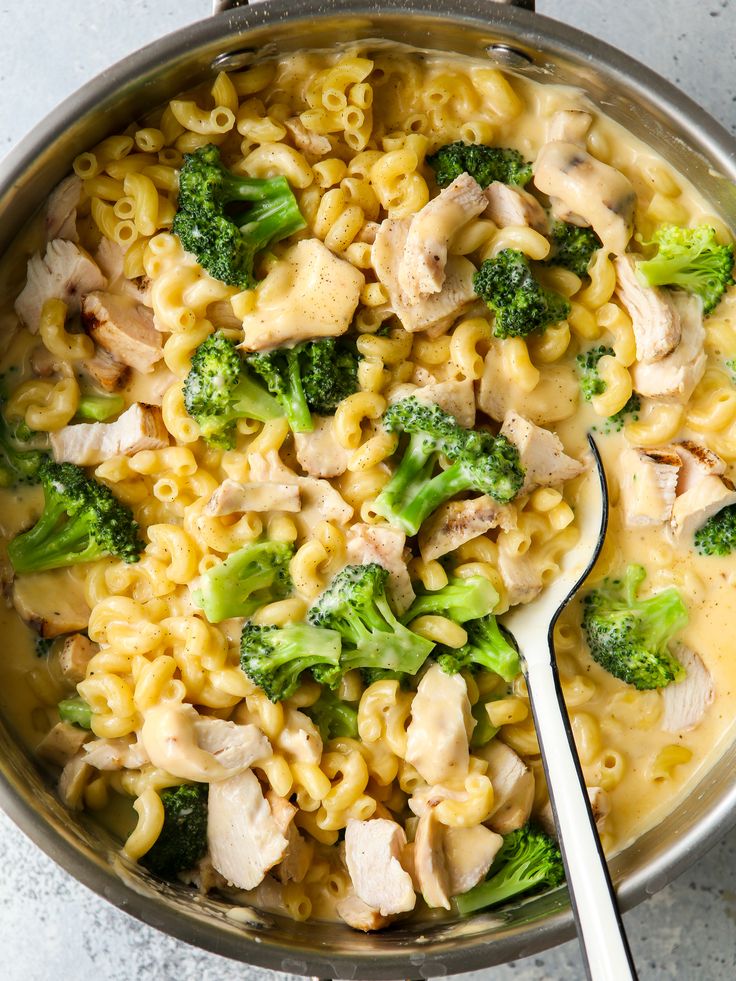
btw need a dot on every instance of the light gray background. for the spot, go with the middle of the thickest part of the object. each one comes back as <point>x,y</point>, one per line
<point>52,928</point>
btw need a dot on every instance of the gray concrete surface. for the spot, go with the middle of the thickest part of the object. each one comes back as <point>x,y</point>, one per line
<point>52,928</point>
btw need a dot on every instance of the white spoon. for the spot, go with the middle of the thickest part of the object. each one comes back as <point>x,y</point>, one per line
<point>600,929</point>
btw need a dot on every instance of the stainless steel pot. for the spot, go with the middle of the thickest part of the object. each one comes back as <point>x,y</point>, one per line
<point>630,93</point>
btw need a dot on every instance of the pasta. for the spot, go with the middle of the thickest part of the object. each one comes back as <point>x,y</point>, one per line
<point>432,475</point>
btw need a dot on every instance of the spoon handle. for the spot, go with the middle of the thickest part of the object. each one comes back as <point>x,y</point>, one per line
<point>602,937</point>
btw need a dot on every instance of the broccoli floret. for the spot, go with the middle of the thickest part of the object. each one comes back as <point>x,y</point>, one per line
<point>483,730</point>
<point>520,303</point>
<point>718,535</point>
<point>329,374</point>
<point>478,462</point>
<point>225,220</point>
<point>372,675</point>
<point>692,259</point>
<point>459,600</point>
<point>99,408</point>
<point>572,247</point>
<point>592,384</point>
<point>334,718</point>
<point>42,645</point>
<point>246,580</point>
<point>527,860</point>
<point>356,606</point>
<point>274,658</point>
<point>484,163</point>
<point>629,636</point>
<point>616,422</point>
<point>81,521</point>
<point>183,838</point>
<point>18,464</point>
<point>489,646</point>
<point>731,365</point>
<point>76,711</point>
<point>316,375</point>
<point>219,390</point>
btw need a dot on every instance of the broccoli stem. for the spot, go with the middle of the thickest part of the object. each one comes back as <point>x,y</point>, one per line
<point>297,410</point>
<point>274,216</point>
<point>434,492</point>
<point>99,408</point>
<point>252,401</point>
<point>46,547</point>
<point>76,712</point>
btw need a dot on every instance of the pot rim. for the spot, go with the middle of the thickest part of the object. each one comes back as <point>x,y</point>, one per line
<point>379,961</point>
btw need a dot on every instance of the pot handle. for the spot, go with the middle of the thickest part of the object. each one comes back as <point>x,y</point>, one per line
<point>221,6</point>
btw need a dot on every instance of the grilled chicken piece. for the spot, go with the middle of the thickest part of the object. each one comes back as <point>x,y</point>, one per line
<point>115,754</point>
<point>74,778</point>
<point>74,657</point>
<point>522,579</point>
<point>440,728</point>
<point>297,859</point>
<point>234,747</point>
<point>105,371</point>
<point>298,856</point>
<point>648,485</point>
<point>179,741</point>
<point>449,861</point>
<point>674,377</point>
<point>570,126</point>
<point>421,270</point>
<point>62,742</point>
<point>319,453</point>
<point>232,497</point>
<point>697,462</point>
<point>454,397</point>
<point>320,500</point>
<point>430,864</point>
<point>312,144</point>
<point>514,206</point>
<point>61,210</point>
<point>373,856</point>
<point>243,838</point>
<point>686,701</point>
<point>469,854</point>
<point>299,738</point>
<point>124,328</point>
<point>693,508</point>
<point>359,915</point>
<point>111,260</point>
<point>309,293</point>
<point>102,370</point>
<point>599,194</point>
<point>384,546</point>
<point>654,317</point>
<point>513,787</point>
<point>52,603</point>
<point>435,311</point>
<point>457,522</point>
<point>600,805</point>
<point>541,453</point>
<point>204,877</point>
<point>65,272</point>
<point>555,397</point>
<point>140,427</point>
